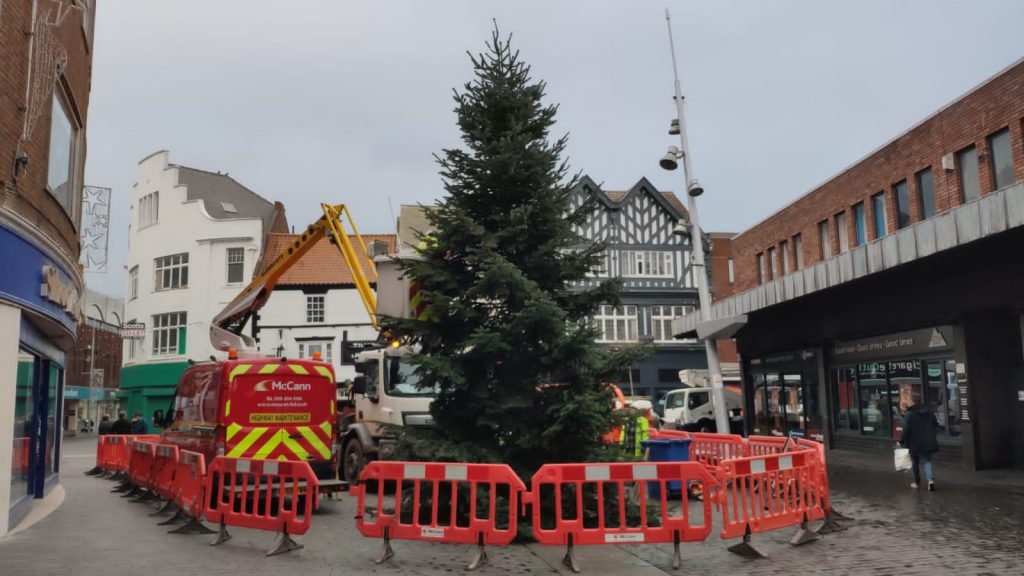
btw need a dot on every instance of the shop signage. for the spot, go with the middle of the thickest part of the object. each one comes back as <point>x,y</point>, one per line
<point>962,394</point>
<point>924,341</point>
<point>133,330</point>
<point>56,290</point>
<point>792,358</point>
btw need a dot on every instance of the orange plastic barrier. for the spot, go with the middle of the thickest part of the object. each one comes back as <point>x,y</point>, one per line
<point>665,434</point>
<point>768,445</point>
<point>767,493</point>
<point>609,504</point>
<point>455,503</point>
<point>711,449</point>
<point>165,460</point>
<point>188,492</point>
<point>140,469</point>
<point>261,494</point>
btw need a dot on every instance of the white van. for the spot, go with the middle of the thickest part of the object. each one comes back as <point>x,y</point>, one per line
<point>691,409</point>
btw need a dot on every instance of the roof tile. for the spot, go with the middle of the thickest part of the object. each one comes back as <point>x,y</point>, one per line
<point>323,264</point>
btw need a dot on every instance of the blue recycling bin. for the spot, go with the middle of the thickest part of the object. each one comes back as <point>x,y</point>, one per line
<point>667,450</point>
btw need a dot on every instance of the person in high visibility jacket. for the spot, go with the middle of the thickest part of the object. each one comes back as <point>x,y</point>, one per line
<point>634,432</point>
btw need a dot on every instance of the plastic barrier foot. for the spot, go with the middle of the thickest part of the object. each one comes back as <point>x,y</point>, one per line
<point>284,544</point>
<point>96,471</point>
<point>167,507</point>
<point>481,555</point>
<point>178,516</point>
<point>570,559</point>
<point>146,497</point>
<point>677,557</point>
<point>386,552</point>
<point>133,492</point>
<point>119,476</point>
<point>746,548</point>
<point>222,535</point>
<point>193,526</point>
<point>123,487</point>
<point>836,515</point>
<point>831,523</point>
<point>803,534</point>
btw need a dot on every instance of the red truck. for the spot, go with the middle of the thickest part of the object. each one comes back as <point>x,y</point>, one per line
<point>260,408</point>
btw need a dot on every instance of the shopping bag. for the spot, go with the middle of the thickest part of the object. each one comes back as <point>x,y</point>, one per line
<point>901,457</point>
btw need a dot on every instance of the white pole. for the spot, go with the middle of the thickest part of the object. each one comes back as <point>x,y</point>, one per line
<point>697,246</point>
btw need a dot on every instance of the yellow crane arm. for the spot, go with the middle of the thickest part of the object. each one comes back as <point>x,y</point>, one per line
<point>254,296</point>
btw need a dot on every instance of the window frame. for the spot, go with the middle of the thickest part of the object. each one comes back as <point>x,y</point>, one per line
<point>784,250</point>
<point>176,331</point>
<point>228,264</point>
<point>993,170</point>
<point>773,264</point>
<point>798,251</point>
<point>312,310</point>
<point>133,282</point>
<point>608,315</point>
<point>919,182</point>
<point>842,232</point>
<point>901,204</point>
<point>824,240</point>
<point>326,349</point>
<point>639,263</point>
<point>661,324</point>
<point>860,225</point>
<point>881,227</point>
<point>166,266</point>
<point>71,207</point>
<point>962,175</point>
<point>732,270</point>
<point>761,272</point>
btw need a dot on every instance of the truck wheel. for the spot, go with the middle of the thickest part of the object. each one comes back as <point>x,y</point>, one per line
<point>706,426</point>
<point>352,461</point>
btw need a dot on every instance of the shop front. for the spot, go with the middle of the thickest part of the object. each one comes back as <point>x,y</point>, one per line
<point>783,394</point>
<point>38,312</point>
<point>874,380</point>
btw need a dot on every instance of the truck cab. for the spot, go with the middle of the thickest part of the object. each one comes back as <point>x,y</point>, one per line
<point>385,393</point>
<point>259,408</point>
<point>692,409</point>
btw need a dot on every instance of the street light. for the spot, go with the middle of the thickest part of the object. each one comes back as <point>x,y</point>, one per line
<point>693,190</point>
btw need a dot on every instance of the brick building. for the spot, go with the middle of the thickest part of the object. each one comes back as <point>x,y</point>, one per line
<point>93,373</point>
<point>45,71</point>
<point>896,281</point>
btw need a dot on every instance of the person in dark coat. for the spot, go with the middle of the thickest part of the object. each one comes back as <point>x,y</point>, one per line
<point>139,425</point>
<point>106,426</point>
<point>121,425</point>
<point>920,429</point>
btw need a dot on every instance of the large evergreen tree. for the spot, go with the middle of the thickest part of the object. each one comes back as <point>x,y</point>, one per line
<point>507,342</point>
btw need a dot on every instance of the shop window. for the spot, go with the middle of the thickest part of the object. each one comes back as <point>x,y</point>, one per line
<point>873,399</point>
<point>23,413</point>
<point>315,309</point>
<point>60,176</point>
<point>943,395</point>
<point>967,165</point>
<point>845,410</point>
<point>901,194</point>
<point>926,193</point>
<point>878,213</point>
<point>53,418</point>
<point>236,265</point>
<point>1002,158</point>
<point>761,422</point>
<point>905,383</point>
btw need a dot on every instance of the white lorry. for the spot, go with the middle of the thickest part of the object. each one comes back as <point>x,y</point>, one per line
<point>691,409</point>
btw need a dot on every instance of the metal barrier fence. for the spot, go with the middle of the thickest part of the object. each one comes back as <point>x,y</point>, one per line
<point>262,494</point>
<point>456,503</point>
<point>610,504</point>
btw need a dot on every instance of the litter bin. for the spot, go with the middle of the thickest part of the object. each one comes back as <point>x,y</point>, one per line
<point>667,450</point>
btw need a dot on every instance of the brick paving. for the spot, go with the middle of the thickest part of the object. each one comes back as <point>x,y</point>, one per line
<point>957,530</point>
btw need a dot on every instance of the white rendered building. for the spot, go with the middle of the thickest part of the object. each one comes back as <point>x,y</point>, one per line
<point>194,240</point>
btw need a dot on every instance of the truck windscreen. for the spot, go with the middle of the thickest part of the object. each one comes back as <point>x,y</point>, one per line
<point>402,379</point>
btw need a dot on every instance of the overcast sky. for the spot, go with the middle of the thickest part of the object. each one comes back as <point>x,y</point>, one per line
<point>346,102</point>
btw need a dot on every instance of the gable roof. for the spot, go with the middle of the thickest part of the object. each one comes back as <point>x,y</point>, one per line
<point>323,264</point>
<point>216,190</point>
<point>613,198</point>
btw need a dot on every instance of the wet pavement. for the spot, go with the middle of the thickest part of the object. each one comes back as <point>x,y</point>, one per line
<point>959,529</point>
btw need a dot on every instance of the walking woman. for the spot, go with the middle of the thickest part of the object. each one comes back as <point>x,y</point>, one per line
<point>919,436</point>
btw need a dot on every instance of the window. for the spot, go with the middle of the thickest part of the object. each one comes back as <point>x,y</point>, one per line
<point>878,213</point>
<point>773,263</point>
<point>842,232</point>
<point>967,164</point>
<point>616,324</point>
<point>236,265</point>
<point>825,243</point>
<point>798,250</point>
<point>172,272</point>
<point>860,228</point>
<point>133,283</point>
<point>1002,158</point>
<point>62,156</point>
<point>309,349</point>
<point>697,399</point>
<point>169,333</point>
<point>901,193</point>
<point>149,209</point>
<point>760,268</point>
<point>315,309</point>
<point>661,321</point>
<point>732,272</point>
<point>926,193</point>
<point>132,342</point>
<point>784,249</point>
<point>647,263</point>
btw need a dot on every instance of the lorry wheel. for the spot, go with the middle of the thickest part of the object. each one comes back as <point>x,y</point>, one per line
<point>706,426</point>
<point>352,461</point>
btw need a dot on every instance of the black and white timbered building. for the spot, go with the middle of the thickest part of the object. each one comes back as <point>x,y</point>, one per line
<point>658,279</point>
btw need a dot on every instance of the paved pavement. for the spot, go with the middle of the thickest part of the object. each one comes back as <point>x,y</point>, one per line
<point>956,530</point>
